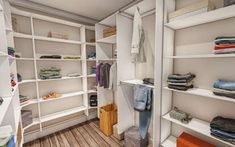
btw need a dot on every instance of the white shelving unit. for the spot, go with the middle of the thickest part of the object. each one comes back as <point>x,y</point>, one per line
<point>30,40</point>
<point>4,107</point>
<point>182,41</point>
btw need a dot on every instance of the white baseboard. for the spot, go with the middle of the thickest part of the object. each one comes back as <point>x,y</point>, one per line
<point>57,127</point>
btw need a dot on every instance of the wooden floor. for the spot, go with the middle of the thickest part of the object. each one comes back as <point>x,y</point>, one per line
<point>83,135</point>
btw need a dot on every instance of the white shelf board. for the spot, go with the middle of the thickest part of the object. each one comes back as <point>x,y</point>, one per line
<point>90,43</point>
<point>20,35</point>
<point>92,107</point>
<point>111,59</point>
<point>92,91</point>
<point>169,142</point>
<point>4,107</point>
<point>30,102</point>
<point>202,56</point>
<point>91,60</point>
<point>63,78</point>
<point>196,125</point>
<point>62,113</point>
<point>24,59</point>
<point>110,39</point>
<point>204,93</point>
<point>58,59</point>
<point>211,16</point>
<point>35,122</point>
<point>136,82</point>
<point>8,29</point>
<point>57,40</point>
<point>91,76</point>
<point>27,81</point>
<point>66,95</point>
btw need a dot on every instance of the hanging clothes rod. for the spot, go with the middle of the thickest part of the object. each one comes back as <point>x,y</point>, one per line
<point>144,14</point>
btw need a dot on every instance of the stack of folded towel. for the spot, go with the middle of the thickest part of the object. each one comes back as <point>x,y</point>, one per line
<point>223,128</point>
<point>180,115</point>
<point>51,57</point>
<point>11,51</point>
<point>181,81</point>
<point>50,73</point>
<point>224,88</point>
<point>23,99</point>
<point>224,45</point>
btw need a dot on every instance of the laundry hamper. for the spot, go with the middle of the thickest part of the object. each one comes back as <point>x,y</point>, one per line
<point>108,118</point>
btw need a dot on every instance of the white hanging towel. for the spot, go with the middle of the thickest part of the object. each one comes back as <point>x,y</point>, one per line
<point>113,77</point>
<point>137,46</point>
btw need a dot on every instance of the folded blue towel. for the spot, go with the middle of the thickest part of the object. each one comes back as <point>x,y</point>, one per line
<point>225,84</point>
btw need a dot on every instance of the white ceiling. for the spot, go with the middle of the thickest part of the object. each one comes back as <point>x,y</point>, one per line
<point>96,9</point>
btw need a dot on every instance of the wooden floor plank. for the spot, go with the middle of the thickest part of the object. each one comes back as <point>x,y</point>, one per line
<point>80,139</point>
<point>99,140</point>
<point>107,139</point>
<point>89,139</point>
<point>83,135</point>
<point>71,139</point>
<point>62,140</point>
<point>54,141</point>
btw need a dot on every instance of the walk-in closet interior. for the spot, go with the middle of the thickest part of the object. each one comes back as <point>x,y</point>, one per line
<point>113,73</point>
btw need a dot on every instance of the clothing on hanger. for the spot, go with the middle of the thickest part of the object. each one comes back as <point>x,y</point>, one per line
<point>113,77</point>
<point>138,38</point>
<point>104,75</point>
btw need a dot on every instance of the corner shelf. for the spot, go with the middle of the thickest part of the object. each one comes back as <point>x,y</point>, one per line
<point>27,81</point>
<point>30,102</point>
<point>202,92</point>
<point>109,40</point>
<point>214,15</point>
<point>35,122</point>
<point>169,142</point>
<point>196,125</point>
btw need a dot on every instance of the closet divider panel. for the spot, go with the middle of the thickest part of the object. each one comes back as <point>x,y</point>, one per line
<point>125,71</point>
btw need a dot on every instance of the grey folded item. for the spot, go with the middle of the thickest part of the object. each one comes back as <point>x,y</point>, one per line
<point>226,93</point>
<point>181,84</point>
<point>180,115</point>
<point>73,75</point>
<point>224,124</point>
<point>178,87</point>
<point>188,76</point>
<point>149,81</point>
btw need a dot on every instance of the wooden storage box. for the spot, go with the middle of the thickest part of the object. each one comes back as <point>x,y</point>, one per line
<point>109,32</point>
<point>187,140</point>
<point>108,118</point>
<point>57,35</point>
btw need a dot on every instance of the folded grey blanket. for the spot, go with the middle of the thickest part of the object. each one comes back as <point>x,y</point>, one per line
<point>224,124</point>
<point>188,76</point>
<point>180,115</point>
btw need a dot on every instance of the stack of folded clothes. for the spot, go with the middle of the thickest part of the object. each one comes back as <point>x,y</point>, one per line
<point>11,51</point>
<point>181,81</point>
<point>180,115</point>
<point>224,45</point>
<point>23,99</point>
<point>50,57</point>
<point>223,128</point>
<point>224,88</point>
<point>72,57</point>
<point>50,73</point>
<point>92,55</point>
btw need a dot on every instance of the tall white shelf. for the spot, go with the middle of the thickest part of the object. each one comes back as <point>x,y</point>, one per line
<point>30,41</point>
<point>181,56</point>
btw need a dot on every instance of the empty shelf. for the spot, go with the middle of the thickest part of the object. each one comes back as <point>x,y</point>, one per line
<point>35,122</point>
<point>90,43</point>
<point>204,93</point>
<point>30,102</point>
<point>27,81</point>
<point>20,35</point>
<point>169,142</point>
<point>92,91</point>
<point>62,113</point>
<point>196,125</point>
<point>63,78</point>
<point>211,16</point>
<point>25,59</point>
<point>91,76</point>
<point>136,82</point>
<point>110,39</point>
<point>66,95</point>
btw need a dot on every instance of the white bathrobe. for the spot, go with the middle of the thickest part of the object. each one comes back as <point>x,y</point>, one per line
<point>137,46</point>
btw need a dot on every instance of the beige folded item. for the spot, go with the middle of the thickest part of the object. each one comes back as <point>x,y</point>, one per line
<point>52,95</point>
<point>191,8</point>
